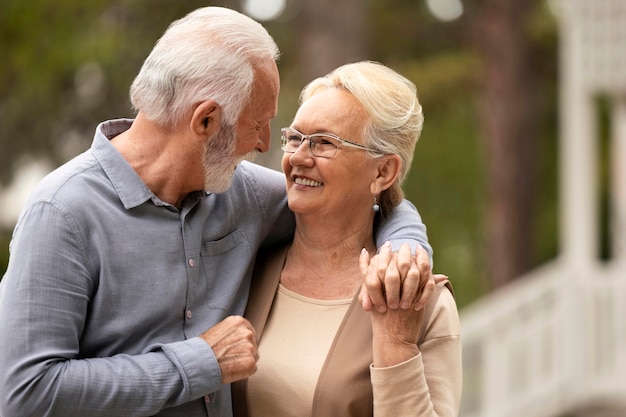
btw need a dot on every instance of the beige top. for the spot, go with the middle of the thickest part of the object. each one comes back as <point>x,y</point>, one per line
<point>296,340</point>
<point>347,386</point>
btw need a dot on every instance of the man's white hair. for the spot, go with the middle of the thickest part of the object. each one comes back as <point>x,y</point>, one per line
<point>207,55</point>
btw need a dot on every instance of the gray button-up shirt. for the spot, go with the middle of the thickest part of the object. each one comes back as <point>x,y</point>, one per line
<point>108,287</point>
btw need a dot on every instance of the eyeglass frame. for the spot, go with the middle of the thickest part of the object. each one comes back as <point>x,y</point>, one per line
<point>342,142</point>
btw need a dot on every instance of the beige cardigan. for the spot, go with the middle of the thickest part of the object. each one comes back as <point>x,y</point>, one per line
<point>344,387</point>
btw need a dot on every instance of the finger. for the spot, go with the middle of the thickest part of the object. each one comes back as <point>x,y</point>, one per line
<point>392,284</point>
<point>427,282</point>
<point>384,257</point>
<point>410,286</point>
<point>423,261</point>
<point>364,260</point>
<point>365,299</point>
<point>374,286</point>
<point>440,279</point>
<point>404,259</point>
<point>429,287</point>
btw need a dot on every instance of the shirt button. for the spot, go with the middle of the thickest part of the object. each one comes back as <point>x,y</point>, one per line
<point>191,262</point>
<point>189,314</point>
<point>207,399</point>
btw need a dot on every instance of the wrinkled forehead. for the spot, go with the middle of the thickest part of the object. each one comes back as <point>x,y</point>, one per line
<point>265,89</point>
<point>331,110</point>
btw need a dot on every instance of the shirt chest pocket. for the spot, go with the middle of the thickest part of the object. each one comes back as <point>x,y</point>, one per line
<point>226,266</point>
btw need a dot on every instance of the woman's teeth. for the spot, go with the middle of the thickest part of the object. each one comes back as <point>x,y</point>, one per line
<point>307,182</point>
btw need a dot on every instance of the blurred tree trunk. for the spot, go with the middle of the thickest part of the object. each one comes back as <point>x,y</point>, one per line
<point>509,116</point>
<point>331,33</point>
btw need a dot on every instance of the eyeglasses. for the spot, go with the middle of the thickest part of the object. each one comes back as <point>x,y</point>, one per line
<point>324,145</point>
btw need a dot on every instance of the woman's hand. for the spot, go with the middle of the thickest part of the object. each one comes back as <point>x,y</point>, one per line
<point>395,335</point>
<point>404,283</point>
<point>393,280</point>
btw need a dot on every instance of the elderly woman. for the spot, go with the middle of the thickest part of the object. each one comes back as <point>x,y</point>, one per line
<point>345,156</point>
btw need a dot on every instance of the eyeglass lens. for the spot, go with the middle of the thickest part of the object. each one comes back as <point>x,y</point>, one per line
<point>319,144</point>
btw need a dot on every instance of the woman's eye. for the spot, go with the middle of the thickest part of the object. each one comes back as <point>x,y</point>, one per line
<point>324,141</point>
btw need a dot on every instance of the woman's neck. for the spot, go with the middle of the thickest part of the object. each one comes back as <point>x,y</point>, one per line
<point>324,263</point>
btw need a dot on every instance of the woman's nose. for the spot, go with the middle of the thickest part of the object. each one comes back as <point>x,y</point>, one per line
<point>302,154</point>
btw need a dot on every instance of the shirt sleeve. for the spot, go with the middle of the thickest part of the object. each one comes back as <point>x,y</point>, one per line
<point>268,187</point>
<point>428,384</point>
<point>404,225</point>
<point>44,307</point>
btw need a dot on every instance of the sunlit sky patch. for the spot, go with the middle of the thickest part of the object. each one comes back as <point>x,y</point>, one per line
<point>264,9</point>
<point>445,10</point>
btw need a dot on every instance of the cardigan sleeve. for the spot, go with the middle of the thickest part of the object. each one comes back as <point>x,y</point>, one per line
<point>428,384</point>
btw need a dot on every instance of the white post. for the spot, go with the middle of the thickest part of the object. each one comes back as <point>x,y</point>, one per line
<point>578,156</point>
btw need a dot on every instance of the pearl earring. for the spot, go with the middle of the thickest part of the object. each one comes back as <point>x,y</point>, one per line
<point>375,206</point>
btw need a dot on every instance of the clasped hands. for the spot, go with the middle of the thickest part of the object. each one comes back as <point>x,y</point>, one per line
<point>397,280</point>
<point>395,290</point>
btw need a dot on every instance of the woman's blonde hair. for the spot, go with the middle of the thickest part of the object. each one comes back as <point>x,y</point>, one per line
<point>395,114</point>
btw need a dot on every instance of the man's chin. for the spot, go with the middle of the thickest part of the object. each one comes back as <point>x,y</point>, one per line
<point>250,156</point>
<point>227,177</point>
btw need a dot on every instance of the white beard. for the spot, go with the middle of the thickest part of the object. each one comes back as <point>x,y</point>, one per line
<point>219,160</point>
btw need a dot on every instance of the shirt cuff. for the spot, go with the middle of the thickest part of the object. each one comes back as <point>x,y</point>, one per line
<point>197,365</point>
<point>397,374</point>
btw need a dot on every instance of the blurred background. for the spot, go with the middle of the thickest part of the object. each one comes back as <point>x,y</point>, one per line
<point>506,88</point>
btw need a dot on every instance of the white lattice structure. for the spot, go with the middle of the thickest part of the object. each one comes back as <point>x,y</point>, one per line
<point>555,340</point>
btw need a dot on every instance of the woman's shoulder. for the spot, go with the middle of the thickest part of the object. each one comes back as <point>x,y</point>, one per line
<point>441,316</point>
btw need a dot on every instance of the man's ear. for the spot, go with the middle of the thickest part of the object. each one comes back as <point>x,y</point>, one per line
<point>387,172</point>
<point>206,118</point>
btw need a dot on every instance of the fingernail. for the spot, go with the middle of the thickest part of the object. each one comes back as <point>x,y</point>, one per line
<point>405,304</point>
<point>419,306</point>
<point>393,306</point>
<point>381,309</point>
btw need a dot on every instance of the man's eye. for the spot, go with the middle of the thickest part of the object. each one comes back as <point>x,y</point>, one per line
<point>261,126</point>
<point>294,138</point>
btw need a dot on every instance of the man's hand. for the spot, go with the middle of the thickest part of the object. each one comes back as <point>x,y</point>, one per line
<point>233,341</point>
<point>397,279</point>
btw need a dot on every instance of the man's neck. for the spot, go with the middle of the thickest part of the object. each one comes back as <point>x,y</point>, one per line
<point>162,159</point>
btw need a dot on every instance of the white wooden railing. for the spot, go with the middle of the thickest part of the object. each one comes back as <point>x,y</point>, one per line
<point>555,340</point>
<point>549,343</point>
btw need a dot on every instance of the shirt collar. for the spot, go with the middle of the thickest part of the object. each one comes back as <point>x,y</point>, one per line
<point>130,188</point>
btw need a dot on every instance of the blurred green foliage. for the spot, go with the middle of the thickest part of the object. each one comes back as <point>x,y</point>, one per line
<point>67,66</point>
<point>51,48</point>
<point>5,238</point>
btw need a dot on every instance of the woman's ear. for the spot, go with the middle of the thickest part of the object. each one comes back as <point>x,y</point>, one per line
<point>206,118</point>
<point>387,172</point>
